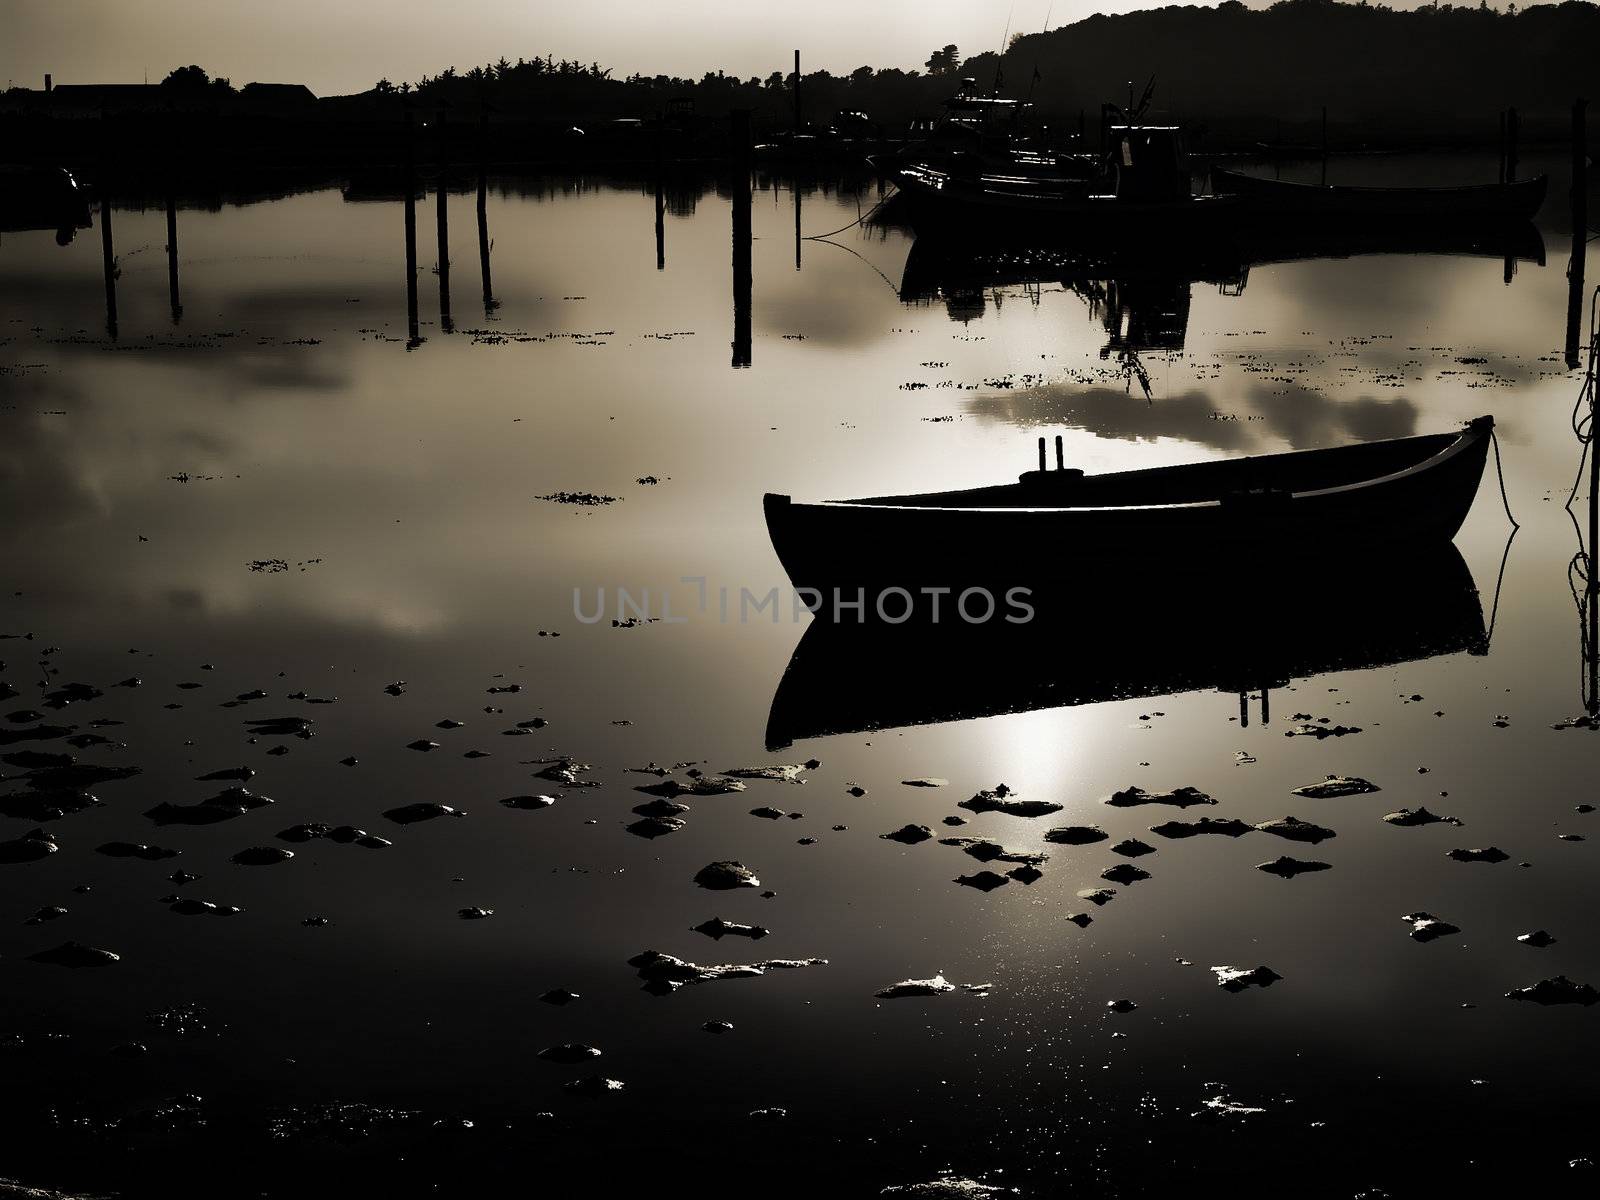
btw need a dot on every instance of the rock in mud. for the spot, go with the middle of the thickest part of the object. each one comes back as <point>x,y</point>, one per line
<point>305,833</point>
<point>203,908</point>
<point>1120,1006</point>
<point>717,929</point>
<point>950,1188</point>
<point>75,955</point>
<point>1236,979</point>
<point>666,973</point>
<point>909,834</point>
<point>1098,896</point>
<point>926,781</point>
<point>1486,854</point>
<point>1538,939</point>
<point>1225,826</point>
<point>529,803</point>
<point>1124,873</point>
<point>767,813</point>
<point>1406,817</point>
<point>560,997</point>
<point>262,856</point>
<point>573,1052</point>
<point>1337,785</point>
<point>1027,873</point>
<point>594,1085</point>
<point>30,847</point>
<point>1559,990</point>
<point>1425,927</point>
<point>1081,920</point>
<point>1296,830</point>
<point>984,881</point>
<point>1076,835</point>
<point>658,808</point>
<point>984,850</point>
<point>224,806</point>
<point>654,827</point>
<point>996,801</point>
<point>780,772</point>
<point>725,876</point>
<point>704,785</point>
<point>1132,848</point>
<point>53,912</point>
<point>937,986</point>
<point>718,1026</point>
<point>228,775</point>
<point>1321,731</point>
<point>474,913</point>
<point>410,814</point>
<point>1183,797</point>
<point>1287,868</point>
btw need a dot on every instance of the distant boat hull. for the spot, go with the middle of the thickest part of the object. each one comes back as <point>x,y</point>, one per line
<point>1056,524</point>
<point>1516,201</point>
<point>1021,208</point>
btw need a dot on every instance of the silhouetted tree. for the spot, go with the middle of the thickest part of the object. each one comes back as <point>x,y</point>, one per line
<point>944,62</point>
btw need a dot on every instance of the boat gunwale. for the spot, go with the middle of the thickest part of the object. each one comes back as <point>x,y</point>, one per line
<point>1462,440</point>
<point>1533,181</point>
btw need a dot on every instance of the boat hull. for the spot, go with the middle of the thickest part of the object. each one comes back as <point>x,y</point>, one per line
<point>1519,200</point>
<point>996,539</point>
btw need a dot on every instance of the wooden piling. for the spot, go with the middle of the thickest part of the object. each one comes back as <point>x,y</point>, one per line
<point>174,297</point>
<point>489,302</point>
<point>739,148</point>
<point>442,222</point>
<point>108,261</point>
<point>1580,229</point>
<point>661,197</point>
<point>409,183</point>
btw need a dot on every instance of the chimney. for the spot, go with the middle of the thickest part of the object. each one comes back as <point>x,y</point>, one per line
<point>48,85</point>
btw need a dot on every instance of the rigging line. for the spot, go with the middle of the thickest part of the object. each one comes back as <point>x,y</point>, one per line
<point>1494,609</point>
<point>862,257</point>
<point>1500,471</point>
<point>860,220</point>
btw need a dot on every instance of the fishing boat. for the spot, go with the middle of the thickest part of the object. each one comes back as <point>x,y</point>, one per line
<point>1256,628</point>
<point>1054,523</point>
<point>1517,200</point>
<point>1144,189</point>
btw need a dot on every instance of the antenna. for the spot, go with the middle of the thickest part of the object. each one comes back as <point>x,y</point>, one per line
<point>1004,38</point>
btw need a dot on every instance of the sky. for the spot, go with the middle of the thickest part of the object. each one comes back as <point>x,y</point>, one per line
<point>339,46</point>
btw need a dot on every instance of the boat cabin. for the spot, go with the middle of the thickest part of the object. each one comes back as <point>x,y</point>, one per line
<point>1147,162</point>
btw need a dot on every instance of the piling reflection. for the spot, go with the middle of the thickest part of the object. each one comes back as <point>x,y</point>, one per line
<point>108,259</point>
<point>174,296</point>
<point>739,123</point>
<point>1255,629</point>
<point>442,221</point>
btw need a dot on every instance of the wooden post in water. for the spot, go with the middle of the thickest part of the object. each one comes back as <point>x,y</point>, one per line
<point>489,303</point>
<point>409,183</point>
<point>739,152</point>
<point>1593,611</point>
<point>1041,454</point>
<point>661,195</point>
<point>442,220</point>
<point>108,258</point>
<point>1580,231</point>
<point>174,298</point>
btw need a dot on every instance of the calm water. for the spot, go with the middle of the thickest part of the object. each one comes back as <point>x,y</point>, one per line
<point>287,416</point>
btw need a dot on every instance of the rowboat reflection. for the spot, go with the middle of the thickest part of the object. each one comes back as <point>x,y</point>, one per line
<point>1242,631</point>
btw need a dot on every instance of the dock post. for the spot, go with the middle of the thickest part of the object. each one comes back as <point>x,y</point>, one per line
<point>661,197</point>
<point>1580,229</point>
<point>1041,454</point>
<point>1061,461</point>
<point>489,303</point>
<point>739,152</point>
<point>409,183</point>
<point>442,220</point>
<point>174,297</point>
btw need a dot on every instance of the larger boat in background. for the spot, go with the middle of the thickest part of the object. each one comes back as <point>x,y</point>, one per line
<point>1517,200</point>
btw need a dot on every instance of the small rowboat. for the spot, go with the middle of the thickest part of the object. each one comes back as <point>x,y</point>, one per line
<point>1518,200</point>
<point>1048,523</point>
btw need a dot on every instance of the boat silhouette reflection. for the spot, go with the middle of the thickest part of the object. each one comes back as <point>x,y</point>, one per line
<point>1245,630</point>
